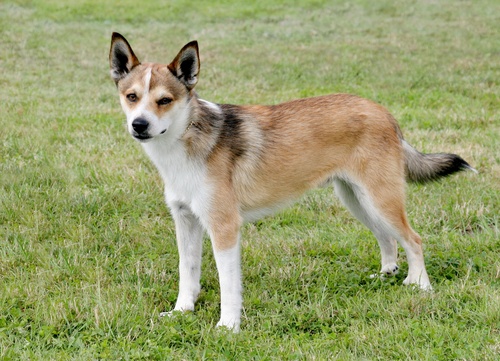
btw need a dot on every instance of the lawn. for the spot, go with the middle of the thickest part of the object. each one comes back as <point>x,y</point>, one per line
<point>87,247</point>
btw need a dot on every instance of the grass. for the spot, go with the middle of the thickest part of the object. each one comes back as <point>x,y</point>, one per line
<point>87,247</point>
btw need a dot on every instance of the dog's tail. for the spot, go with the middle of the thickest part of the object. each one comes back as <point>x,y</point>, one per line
<point>420,167</point>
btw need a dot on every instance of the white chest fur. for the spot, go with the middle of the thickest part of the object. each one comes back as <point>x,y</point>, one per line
<point>185,178</point>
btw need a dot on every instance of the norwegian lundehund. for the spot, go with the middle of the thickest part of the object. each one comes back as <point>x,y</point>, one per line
<point>226,164</point>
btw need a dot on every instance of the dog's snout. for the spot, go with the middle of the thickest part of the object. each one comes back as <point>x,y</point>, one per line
<point>140,125</point>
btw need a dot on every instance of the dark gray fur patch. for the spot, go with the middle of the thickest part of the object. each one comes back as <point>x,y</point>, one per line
<point>231,133</point>
<point>422,167</point>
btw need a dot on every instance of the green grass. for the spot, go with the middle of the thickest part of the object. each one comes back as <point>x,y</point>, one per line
<point>87,247</point>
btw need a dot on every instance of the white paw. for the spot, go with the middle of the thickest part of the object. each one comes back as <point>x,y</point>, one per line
<point>176,311</point>
<point>172,313</point>
<point>422,281</point>
<point>389,270</point>
<point>231,324</point>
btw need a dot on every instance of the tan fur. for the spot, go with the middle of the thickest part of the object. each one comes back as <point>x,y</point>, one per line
<point>313,139</point>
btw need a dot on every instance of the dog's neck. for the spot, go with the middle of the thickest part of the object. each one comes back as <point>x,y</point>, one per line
<point>187,129</point>
<point>205,121</point>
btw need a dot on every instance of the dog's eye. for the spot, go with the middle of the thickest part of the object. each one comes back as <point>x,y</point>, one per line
<point>164,101</point>
<point>132,97</point>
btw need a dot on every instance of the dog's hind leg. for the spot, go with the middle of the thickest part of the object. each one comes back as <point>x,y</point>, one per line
<point>382,202</point>
<point>387,243</point>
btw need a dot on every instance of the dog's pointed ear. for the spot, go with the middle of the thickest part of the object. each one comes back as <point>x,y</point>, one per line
<point>121,57</point>
<point>186,65</point>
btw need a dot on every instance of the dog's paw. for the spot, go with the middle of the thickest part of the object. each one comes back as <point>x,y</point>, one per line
<point>418,277</point>
<point>231,325</point>
<point>167,314</point>
<point>389,270</point>
<point>421,282</point>
<point>174,312</point>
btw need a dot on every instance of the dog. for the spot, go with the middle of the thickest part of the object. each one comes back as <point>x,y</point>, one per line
<point>223,165</point>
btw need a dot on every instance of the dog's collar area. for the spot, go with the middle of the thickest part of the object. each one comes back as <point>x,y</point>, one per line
<point>187,129</point>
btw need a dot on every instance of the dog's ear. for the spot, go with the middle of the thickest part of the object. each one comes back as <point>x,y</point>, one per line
<point>186,65</point>
<point>121,57</point>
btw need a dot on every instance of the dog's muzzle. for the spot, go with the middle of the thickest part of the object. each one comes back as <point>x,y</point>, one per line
<point>140,127</point>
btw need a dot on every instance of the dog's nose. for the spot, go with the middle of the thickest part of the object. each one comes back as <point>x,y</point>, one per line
<point>140,125</point>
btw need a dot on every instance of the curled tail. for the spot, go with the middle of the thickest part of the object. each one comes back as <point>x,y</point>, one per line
<point>420,167</point>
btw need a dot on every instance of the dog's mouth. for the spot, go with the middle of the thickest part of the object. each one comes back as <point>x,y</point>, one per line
<point>145,137</point>
<point>142,137</point>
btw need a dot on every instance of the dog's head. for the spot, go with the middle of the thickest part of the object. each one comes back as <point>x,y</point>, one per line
<point>154,96</point>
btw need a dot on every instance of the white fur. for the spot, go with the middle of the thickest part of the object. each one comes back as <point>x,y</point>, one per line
<point>189,233</point>
<point>147,80</point>
<point>211,105</point>
<point>229,267</point>
<point>184,178</point>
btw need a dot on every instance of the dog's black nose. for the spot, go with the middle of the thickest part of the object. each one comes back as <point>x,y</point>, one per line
<point>140,125</point>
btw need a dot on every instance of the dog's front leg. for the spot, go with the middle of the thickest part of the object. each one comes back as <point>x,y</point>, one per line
<point>189,233</point>
<point>225,237</point>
